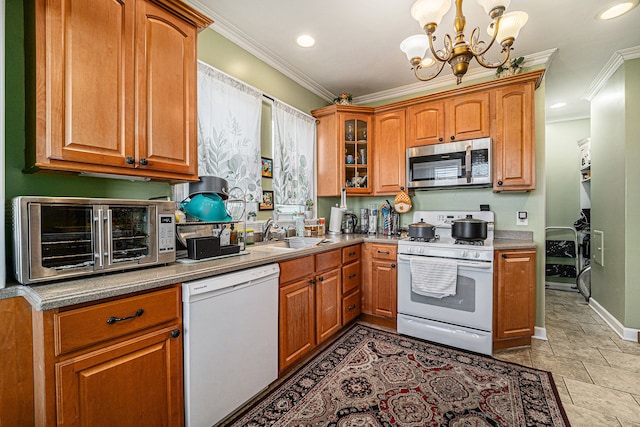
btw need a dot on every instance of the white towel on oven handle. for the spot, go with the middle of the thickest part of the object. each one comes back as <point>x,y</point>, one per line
<point>434,278</point>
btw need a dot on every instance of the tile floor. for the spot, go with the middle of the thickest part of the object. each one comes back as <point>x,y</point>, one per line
<point>596,372</point>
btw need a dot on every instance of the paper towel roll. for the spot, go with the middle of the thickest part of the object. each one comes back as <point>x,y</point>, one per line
<point>335,221</point>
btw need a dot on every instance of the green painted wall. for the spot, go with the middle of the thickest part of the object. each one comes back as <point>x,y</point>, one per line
<point>632,193</point>
<point>608,193</point>
<point>563,173</point>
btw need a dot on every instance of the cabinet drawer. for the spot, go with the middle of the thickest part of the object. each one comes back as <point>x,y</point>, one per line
<point>350,277</point>
<point>384,251</point>
<point>82,327</point>
<point>350,254</point>
<point>328,260</point>
<point>296,269</point>
<point>351,307</point>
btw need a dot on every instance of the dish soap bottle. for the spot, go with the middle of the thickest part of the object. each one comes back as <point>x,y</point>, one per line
<point>300,224</point>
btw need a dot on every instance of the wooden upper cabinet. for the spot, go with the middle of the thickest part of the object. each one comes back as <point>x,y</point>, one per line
<point>85,108</point>
<point>452,119</point>
<point>467,116</point>
<point>116,88</point>
<point>389,149</point>
<point>514,138</point>
<point>328,147</point>
<point>342,131</point>
<point>426,124</point>
<point>166,92</point>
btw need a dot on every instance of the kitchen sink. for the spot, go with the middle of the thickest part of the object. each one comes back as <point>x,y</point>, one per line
<point>290,244</point>
<point>271,247</point>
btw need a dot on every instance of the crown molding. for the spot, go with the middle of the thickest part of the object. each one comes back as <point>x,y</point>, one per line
<point>534,60</point>
<point>616,60</point>
<point>240,38</point>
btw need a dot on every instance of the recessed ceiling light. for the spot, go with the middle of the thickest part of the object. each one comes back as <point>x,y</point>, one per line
<point>617,10</point>
<point>558,105</point>
<point>305,40</point>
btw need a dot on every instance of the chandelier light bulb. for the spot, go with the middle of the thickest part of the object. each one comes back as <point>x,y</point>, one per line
<point>489,5</point>
<point>510,25</point>
<point>429,11</point>
<point>415,46</point>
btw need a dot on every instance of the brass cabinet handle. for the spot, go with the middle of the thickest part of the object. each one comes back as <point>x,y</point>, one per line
<point>113,319</point>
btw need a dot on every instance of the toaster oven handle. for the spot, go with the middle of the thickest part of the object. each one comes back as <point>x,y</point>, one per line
<point>99,245</point>
<point>109,238</point>
<point>467,161</point>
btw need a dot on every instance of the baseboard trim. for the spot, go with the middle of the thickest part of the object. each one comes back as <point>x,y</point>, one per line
<point>627,334</point>
<point>540,333</point>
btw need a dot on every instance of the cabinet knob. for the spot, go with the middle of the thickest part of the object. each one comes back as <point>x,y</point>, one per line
<point>175,333</point>
<point>313,281</point>
<point>144,162</point>
<point>321,279</point>
<point>393,266</point>
<point>452,137</point>
<point>505,256</point>
<point>129,160</point>
<point>499,182</point>
<point>441,139</point>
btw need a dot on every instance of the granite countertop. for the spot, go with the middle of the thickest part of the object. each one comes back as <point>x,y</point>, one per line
<point>93,288</point>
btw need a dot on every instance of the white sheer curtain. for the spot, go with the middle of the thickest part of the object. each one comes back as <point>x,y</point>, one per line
<point>229,114</point>
<point>293,155</point>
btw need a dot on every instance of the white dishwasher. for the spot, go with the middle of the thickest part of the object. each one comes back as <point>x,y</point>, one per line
<point>230,341</point>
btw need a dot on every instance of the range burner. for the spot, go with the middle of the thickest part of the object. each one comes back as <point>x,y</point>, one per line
<point>470,242</point>
<point>422,239</point>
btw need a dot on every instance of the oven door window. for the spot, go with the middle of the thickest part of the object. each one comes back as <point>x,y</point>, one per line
<point>437,169</point>
<point>463,300</point>
<point>66,236</point>
<point>130,236</point>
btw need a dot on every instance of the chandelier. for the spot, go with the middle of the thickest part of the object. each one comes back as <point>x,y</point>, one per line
<point>504,29</point>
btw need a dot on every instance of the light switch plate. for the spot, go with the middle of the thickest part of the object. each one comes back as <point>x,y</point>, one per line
<point>597,247</point>
<point>522,218</point>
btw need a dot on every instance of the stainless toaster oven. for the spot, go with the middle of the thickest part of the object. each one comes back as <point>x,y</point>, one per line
<point>56,238</point>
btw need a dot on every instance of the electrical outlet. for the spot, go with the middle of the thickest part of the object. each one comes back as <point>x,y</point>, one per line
<point>522,218</point>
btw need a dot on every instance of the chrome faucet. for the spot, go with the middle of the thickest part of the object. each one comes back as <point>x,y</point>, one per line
<point>271,231</point>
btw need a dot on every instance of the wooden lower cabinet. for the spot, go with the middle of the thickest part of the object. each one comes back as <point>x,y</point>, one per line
<point>319,294</point>
<point>129,372</point>
<point>380,286</point>
<point>514,298</point>
<point>16,363</point>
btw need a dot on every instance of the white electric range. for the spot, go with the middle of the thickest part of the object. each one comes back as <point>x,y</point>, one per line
<point>464,319</point>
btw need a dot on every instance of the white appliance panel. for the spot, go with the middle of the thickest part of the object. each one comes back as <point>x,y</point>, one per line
<point>230,341</point>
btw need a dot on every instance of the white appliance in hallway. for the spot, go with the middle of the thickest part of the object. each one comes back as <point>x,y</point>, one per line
<point>465,319</point>
<point>230,341</point>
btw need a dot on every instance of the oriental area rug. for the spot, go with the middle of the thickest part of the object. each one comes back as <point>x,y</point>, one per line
<point>370,377</point>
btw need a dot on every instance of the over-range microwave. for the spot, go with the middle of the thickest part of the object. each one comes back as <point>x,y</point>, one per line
<point>56,238</point>
<point>450,164</point>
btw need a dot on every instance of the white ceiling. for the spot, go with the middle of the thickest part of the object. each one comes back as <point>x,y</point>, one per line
<point>357,44</point>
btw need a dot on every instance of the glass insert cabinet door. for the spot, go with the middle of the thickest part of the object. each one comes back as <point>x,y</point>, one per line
<point>356,153</point>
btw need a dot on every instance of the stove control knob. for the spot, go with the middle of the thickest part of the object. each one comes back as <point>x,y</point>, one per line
<point>421,249</point>
<point>476,254</point>
<point>463,254</point>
